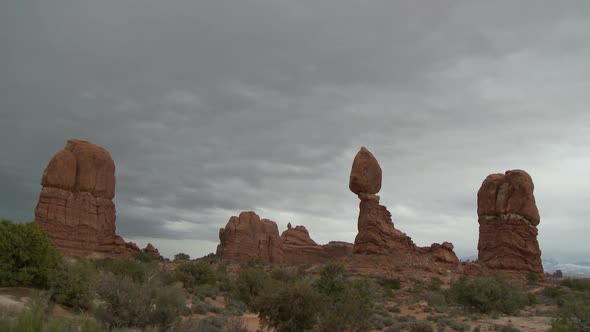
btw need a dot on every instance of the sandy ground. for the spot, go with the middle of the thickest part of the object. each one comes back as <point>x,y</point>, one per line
<point>14,297</point>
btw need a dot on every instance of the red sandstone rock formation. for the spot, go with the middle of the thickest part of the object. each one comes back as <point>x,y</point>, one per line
<point>75,206</point>
<point>508,217</point>
<point>376,235</point>
<point>365,176</point>
<point>335,249</point>
<point>441,252</point>
<point>299,248</point>
<point>248,237</point>
<point>152,251</point>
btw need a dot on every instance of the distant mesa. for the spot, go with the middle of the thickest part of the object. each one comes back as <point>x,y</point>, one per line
<point>508,219</point>
<point>76,208</point>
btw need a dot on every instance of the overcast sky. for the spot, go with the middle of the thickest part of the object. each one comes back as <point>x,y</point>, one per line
<point>212,107</point>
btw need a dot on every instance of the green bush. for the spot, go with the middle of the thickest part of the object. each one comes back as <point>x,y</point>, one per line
<point>250,283</point>
<point>563,325</point>
<point>137,270</point>
<point>487,294</point>
<point>181,257</point>
<point>36,318</point>
<point>290,308</point>
<point>26,255</point>
<point>128,304</point>
<point>390,283</point>
<point>73,283</point>
<point>577,284</point>
<point>193,274</point>
<point>350,309</point>
<point>332,279</point>
<point>434,284</point>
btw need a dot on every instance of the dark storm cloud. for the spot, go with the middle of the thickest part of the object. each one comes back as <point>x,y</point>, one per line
<point>214,107</point>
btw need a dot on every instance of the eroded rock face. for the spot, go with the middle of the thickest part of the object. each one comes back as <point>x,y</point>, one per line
<point>337,249</point>
<point>152,251</point>
<point>376,232</point>
<point>299,248</point>
<point>248,237</point>
<point>441,252</point>
<point>365,176</point>
<point>508,217</point>
<point>75,206</point>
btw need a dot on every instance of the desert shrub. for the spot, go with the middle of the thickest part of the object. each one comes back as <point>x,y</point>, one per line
<point>350,309</point>
<point>332,279</point>
<point>26,255</point>
<point>37,318</point>
<point>194,274</point>
<point>421,326</point>
<point>506,328</point>
<point>436,300</point>
<point>286,275</point>
<point>72,283</point>
<point>577,284</point>
<point>554,292</point>
<point>434,284</point>
<point>181,257</point>
<point>394,309</point>
<point>390,283</point>
<point>213,324</point>
<point>293,307</point>
<point>487,294</point>
<point>250,283</point>
<point>143,257</point>
<point>563,325</point>
<point>137,270</point>
<point>128,304</point>
<point>532,277</point>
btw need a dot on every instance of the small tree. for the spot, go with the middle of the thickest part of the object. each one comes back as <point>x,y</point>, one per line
<point>293,307</point>
<point>26,255</point>
<point>181,257</point>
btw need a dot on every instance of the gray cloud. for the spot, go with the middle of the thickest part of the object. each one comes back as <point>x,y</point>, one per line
<point>213,107</point>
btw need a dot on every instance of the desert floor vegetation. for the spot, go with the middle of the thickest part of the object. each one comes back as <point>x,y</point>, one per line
<point>142,294</point>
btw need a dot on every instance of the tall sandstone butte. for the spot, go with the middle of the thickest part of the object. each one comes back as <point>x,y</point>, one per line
<point>508,219</point>
<point>76,207</point>
<point>248,237</point>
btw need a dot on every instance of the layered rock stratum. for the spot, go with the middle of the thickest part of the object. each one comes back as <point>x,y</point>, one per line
<point>508,219</point>
<point>75,207</point>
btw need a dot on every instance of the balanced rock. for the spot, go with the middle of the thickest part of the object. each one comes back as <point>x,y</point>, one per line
<point>376,232</point>
<point>365,176</point>
<point>75,206</point>
<point>248,237</point>
<point>508,219</point>
<point>299,248</point>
